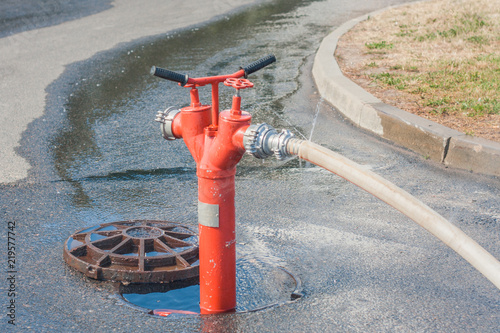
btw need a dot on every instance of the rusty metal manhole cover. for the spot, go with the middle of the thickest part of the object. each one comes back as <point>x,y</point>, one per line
<point>141,251</point>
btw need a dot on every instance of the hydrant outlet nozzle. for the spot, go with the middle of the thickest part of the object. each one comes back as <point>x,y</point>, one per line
<point>166,118</point>
<point>263,140</point>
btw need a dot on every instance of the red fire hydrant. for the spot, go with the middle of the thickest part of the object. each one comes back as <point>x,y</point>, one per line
<point>216,144</point>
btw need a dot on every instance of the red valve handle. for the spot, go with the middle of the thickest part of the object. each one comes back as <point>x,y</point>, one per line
<point>238,83</point>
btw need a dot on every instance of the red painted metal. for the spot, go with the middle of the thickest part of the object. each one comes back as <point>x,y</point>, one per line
<point>201,81</point>
<point>216,144</point>
<point>238,83</point>
<point>214,81</point>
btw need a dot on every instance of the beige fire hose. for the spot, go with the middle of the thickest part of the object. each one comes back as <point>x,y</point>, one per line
<point>416,210</point>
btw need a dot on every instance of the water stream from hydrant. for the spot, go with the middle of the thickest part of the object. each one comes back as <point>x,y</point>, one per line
<point>315,119</point>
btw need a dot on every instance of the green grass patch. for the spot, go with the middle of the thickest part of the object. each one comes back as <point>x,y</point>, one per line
<point>389,79</point>
<point>480,107</point>
<point>438,101</point>
<point>470,86</point>
<point>469,133</point>
<point>478,39</point>
<point>469,23</point>
<point>379,45</point>
<point>405,31</point>
<point>427,37</point>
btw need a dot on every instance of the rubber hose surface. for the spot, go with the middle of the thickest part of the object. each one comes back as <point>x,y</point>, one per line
<point>416,210</point>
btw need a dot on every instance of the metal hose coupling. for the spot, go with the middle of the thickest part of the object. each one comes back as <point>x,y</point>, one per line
<point>263,140</point>
<point>165,119</point>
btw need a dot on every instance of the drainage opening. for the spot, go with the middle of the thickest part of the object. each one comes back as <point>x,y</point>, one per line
<point>164,299</point>
<point>260,285</point>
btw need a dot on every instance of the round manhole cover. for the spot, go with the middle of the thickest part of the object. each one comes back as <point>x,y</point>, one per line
<point>141,251</point>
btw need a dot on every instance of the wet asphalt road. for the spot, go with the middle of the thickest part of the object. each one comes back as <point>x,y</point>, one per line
<point>99,157</point>
<point>25,15</point>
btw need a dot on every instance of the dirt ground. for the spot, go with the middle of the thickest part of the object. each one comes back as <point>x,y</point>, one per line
<point>357,62</point>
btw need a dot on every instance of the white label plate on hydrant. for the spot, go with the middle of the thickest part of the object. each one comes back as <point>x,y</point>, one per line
<point>208,214</point>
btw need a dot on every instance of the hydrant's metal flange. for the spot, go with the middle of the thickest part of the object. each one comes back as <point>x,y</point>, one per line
<point>165,118</point>
<point>140,251</point>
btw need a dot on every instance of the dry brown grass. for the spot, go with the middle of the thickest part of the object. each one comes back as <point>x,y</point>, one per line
<point>438,59</point>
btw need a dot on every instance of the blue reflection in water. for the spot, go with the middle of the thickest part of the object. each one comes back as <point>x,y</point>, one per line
<point>192,239</point>
<point>155,253</point>
<point>186,299</point>
<point>180,249</point>
<point>94,237</point>
<point>109,228</point>
<point>72,243</point>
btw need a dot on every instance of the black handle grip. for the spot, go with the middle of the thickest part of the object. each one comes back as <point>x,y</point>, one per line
<point>259,64</point>
<point>169,75</point>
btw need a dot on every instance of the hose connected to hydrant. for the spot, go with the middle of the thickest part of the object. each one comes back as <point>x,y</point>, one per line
<point>217,142</point>
<point>263,141</point>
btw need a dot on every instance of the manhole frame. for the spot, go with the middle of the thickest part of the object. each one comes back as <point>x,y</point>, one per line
<point>118,256</point>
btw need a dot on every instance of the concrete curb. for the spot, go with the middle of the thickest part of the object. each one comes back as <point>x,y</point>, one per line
<point>431,140</point>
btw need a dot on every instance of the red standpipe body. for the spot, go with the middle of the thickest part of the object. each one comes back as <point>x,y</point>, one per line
<point>216,150</point>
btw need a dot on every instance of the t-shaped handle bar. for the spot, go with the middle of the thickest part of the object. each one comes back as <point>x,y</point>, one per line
<point>184,79</point>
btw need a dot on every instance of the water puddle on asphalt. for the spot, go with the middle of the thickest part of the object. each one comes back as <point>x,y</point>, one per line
<point>260,285</point>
